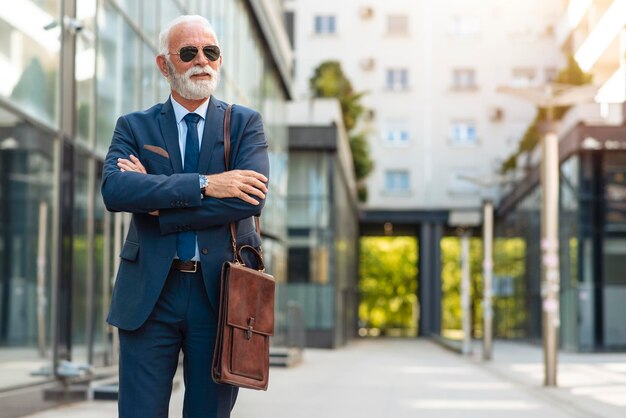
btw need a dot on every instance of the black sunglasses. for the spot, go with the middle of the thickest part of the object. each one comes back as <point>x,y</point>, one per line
<point>187,53</point>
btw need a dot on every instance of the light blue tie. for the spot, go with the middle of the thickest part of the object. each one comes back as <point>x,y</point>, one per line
<point>186,245</point>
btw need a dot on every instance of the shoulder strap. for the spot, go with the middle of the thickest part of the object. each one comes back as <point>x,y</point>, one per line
<point>257,219</point>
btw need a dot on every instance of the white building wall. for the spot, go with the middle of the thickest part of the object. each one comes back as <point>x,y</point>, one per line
<point>512,34</point>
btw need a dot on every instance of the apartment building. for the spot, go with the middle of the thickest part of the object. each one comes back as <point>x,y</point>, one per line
<point>435,119</point>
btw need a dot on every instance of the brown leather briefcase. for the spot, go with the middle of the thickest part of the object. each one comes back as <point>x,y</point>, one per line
<point>246,322</point>
<point>246,312</point>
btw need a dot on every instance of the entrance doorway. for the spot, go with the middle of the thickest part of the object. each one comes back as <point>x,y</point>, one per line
<point>388,271</point>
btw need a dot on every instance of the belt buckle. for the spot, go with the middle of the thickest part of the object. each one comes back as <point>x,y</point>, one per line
<point>195,268</point>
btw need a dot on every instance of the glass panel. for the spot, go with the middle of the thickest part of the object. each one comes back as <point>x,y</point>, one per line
<point>150,22</point>
<point>29,58</point>
<point>118,73</point>
<point>80,274</point>
<point>615,191</point>
<point>149,74</point>
<point>101,292</point>
<point>26,192</point>
<point>131,8</point>
<point>85,62</point>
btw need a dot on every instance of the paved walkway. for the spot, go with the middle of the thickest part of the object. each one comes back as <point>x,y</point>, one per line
<point>418,378</point>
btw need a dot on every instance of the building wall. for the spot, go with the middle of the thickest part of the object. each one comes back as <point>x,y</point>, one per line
<point>322,224</point>
<point>494,39</point>
<point>59,246</point>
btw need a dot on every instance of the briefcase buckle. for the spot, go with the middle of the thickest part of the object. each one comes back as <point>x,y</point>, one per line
<point>250,328</point>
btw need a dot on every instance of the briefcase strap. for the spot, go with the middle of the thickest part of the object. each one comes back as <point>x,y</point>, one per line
<point>257,219</point>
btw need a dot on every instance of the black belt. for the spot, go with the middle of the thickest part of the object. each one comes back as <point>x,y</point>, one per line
<point>186,266</point>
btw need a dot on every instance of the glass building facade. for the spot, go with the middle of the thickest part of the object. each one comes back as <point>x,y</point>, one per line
<point>592,230</point>
<point>62,91</point>
<point>322,234</point>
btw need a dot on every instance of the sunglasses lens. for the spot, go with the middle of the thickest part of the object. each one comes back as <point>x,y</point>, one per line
<point>212,52</point>
<point>188,53</point>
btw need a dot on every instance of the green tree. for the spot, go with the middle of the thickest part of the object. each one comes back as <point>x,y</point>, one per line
<point>451,286</point>
<point>388,284</point>
<point>329,80</point>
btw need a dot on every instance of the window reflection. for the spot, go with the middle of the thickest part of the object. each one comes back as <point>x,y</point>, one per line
<point>26,191</point>
<point>29,58</point>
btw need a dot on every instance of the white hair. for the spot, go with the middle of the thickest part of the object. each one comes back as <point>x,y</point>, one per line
<point>164,36</point>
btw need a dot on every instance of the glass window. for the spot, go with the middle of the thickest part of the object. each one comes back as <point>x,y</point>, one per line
<point>524,77</point>
<point>397,24</point>
<point>325,24</point>
<point>149,77</point>
<point>85,62</point>
<point>118,73</point>
<point>396,134</point>
<point>81,246</point>
<point>397,79</point>
<point>465,25</point>
<point>131,8</point>
<point>615,192</point>
<point>308,189</point>
<point>150,23</point>
<point>463,78</point>
<point>29,58</point>
<point>397,180</point>
<point>102,226</point>
<point>26,197</point>
<point>463,133</point>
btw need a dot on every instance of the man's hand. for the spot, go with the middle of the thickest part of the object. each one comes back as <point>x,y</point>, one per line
<point>134,165</point>
<point>131,165</point>
<point>242,184</point>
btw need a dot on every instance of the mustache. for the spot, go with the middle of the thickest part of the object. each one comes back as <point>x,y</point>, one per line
<point>201,70</point>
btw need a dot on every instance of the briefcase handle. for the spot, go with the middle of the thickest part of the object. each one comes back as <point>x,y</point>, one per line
<point>256,253</point>
<point>257,219</point>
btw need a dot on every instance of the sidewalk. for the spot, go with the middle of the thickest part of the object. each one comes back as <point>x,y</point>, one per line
<point>418,378</point>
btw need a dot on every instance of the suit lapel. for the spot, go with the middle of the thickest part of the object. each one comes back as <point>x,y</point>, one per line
<point>169,131</point>
<point>213,133</point>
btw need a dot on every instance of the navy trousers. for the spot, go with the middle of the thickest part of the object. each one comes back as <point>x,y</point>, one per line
<point>183,319</point>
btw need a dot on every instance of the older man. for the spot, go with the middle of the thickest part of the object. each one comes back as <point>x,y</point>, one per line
<point>166,166</point>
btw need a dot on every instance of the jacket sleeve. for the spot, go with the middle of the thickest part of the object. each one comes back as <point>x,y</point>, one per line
<point>142,193</point>
<point>251,155</point>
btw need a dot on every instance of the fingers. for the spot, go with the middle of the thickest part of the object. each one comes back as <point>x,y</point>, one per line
<point>253,174</point>
<point>133,165</point>
<point>247,198</point>
<point>251,190</point>
<point>138,164</point>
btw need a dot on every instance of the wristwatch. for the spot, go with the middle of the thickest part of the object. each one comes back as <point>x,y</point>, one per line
<point>204,182</point>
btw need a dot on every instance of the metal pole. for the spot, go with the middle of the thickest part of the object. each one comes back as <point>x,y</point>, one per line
<point>550,250</point>
<point>465,292</point>
<point>487,280</point>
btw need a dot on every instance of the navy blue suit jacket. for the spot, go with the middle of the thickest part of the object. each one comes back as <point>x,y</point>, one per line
<point>150,246</point>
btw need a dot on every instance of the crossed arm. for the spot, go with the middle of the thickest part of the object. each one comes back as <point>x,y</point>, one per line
<point>230,196</point>
<point>241,184</point>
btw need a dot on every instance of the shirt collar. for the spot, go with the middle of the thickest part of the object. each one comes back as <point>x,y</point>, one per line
<point>180,111</point>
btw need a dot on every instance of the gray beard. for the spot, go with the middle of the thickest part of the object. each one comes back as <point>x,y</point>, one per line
<point>193,89</point>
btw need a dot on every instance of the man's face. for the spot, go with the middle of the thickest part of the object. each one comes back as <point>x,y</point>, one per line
<point>198,78</point>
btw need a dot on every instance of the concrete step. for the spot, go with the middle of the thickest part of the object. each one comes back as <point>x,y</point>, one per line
<point>285,357</point>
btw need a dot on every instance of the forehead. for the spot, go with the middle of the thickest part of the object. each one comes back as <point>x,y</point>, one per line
<point>191,33</point>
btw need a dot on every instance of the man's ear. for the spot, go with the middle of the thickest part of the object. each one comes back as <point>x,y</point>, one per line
<point>162,65</point>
